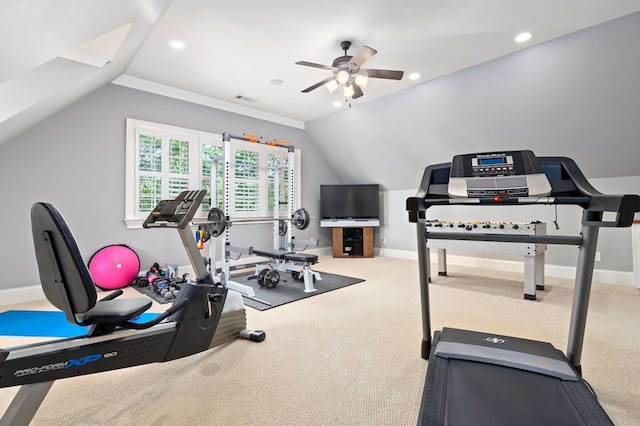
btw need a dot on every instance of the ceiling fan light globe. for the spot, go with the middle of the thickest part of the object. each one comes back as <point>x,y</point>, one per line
<point>348,90</point>
<point>362,80</point>
<point>332,85</point>
<point>342,76</point>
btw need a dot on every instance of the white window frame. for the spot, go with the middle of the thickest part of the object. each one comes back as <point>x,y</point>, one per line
<point>134,218</point>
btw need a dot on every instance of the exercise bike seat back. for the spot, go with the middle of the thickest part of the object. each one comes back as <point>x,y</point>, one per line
<point>66,281</point>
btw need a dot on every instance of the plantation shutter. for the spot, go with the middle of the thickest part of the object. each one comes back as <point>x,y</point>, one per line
<point>246,174</point>
<point>178,167</point>
<point>149,154</point>
<point>162,161</point>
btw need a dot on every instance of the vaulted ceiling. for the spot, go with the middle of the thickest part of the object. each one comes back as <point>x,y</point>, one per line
<point>55,52</point>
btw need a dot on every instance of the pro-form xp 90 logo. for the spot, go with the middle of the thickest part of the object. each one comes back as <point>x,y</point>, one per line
<point>80,362</point>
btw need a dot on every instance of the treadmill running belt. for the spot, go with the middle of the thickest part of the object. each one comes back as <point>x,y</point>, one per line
<point>478,393</point>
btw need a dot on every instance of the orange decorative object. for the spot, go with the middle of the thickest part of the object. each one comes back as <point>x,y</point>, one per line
<point>252,138</point>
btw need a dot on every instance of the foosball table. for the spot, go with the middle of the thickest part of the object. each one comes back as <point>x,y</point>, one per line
<point>533,253</point>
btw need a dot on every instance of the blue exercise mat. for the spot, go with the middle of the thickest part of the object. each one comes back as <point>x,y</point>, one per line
<point>46,324</point>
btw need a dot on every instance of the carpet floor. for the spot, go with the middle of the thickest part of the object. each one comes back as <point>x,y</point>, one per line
<point>351,357</point>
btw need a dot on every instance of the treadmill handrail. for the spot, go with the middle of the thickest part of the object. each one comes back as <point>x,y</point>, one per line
<point>568,186</point>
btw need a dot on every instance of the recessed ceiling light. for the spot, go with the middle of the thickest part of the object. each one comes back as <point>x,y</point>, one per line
<point>414,76</point>
<point>276,82</point>
<point>337,104</point>
<point>176,44</point>
<point>522,37</point>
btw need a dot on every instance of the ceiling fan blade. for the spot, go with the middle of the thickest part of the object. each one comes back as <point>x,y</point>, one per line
<point>318,84</point>
<point>389,74</point>
<point>311,64</point>
<point>357,92</point>
<point>363,56</point>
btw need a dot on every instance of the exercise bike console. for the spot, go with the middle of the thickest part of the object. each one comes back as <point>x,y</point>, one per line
<point>175,213</point>
<point>178,213</point>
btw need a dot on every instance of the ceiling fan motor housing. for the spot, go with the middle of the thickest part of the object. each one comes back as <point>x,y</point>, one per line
<point>342,63</point>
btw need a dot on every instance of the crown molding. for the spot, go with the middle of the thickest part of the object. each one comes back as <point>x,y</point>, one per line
<point>187,96</point>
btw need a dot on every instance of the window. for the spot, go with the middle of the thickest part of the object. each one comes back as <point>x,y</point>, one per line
<point>163,160</point>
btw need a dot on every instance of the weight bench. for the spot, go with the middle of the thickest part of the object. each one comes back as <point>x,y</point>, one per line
<point>311,259</point>
<point>298,264</point>
<point>271,253</point>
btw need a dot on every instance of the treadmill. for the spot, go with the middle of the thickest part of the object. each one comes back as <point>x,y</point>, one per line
<point>484,378</point>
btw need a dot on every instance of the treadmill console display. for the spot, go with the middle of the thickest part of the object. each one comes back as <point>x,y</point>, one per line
<point>491,174</point>
<point>492,165</point>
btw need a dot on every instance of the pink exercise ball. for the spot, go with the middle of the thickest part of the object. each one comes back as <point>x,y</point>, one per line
<point>114,267</point>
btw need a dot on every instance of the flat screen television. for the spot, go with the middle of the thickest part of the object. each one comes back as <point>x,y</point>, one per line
<point>350,201</point>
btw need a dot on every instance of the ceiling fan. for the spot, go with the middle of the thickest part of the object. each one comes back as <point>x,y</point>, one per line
<point>347,71</point>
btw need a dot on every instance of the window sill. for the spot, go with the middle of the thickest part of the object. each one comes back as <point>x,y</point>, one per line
<point>137,223</point>
<point>134,223</point>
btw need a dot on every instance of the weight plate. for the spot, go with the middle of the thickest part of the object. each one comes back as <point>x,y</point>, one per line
<point>219,222</point>
<point>301,218</point>
<point>261,277</point>
<point>271,279</point>
<point>282,228</point>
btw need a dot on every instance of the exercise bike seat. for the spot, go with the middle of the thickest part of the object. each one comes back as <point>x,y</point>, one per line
<point>115,311</point>
<point>66,281</point>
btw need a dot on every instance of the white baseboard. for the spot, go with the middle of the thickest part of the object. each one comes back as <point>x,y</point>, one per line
<point>399,254</point>
<point>599,275</point>
<point>12,296</point>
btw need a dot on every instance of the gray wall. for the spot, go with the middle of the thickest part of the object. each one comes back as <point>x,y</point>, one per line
<point>576,96</point>
<point>75,160</point>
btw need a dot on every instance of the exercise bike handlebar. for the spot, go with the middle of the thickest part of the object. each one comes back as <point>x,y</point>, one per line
<point>113,295</point>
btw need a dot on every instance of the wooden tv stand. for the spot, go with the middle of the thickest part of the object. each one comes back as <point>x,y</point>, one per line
<point>353,241</point>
